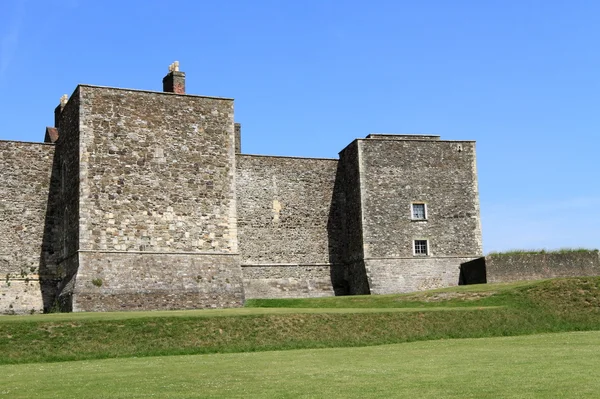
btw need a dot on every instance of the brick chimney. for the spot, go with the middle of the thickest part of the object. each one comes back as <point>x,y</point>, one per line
<point>51,135</point>
<point>174,82</point>
<point>237,129</point>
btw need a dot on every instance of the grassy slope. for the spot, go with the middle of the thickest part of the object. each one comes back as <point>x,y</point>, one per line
<point>548,365</point>
<point>500,294</point>
<point>475,311</point>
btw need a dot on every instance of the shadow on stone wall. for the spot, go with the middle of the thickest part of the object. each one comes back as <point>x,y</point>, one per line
<point>348,273</point>
<point>473,272</point>
<point>55,272</point>
<point>335,235</point>
<point>49,279</point>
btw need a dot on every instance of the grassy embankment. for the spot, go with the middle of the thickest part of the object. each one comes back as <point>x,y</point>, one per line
<point>459,312</point>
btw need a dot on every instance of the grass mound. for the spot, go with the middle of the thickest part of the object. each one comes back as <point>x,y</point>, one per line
<point>459,312</point>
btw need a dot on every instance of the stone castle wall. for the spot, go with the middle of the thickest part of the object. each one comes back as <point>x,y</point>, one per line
<point>284,229</point>
<point>26,171</point>
<point>144,202</point>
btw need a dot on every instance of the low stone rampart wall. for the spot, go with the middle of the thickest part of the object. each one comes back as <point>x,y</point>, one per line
<point>501,268</point>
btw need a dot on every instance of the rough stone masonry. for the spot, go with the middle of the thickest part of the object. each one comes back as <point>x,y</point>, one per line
<point>142,200</point>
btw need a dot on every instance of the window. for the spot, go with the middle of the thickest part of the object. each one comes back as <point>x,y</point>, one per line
<point>419,211</point>
<point>421,247</point>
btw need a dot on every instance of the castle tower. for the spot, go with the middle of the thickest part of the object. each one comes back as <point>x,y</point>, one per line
<point>414,208</point>
<point>149,205</point>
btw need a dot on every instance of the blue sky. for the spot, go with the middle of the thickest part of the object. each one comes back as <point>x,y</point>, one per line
<point>522,78</point>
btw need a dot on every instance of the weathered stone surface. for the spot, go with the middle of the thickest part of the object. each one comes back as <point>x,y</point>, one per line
<point>64,214</point>
<point>237,128</point>
<point>283,209</point>
<point>396,172</point>
<point>109,281</point>
<point>287,281</point>
<point>441,174</point>
<point>157,172</point>
<point>388,276</point>
<point>159,182</point>
<point>25,170</point>
<point>403,137</point>
<point>20,295</point>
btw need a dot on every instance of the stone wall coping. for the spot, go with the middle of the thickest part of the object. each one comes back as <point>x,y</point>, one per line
<point>27,142</point>
<point>367,139</point>
<point>155,92</point>
<point>413,140</point>
<point>407,136</point>
<point>101,251</point>
<point>287,157</point>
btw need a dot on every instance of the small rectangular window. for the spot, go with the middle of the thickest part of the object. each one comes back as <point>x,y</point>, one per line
<point>419,211</point>
<point>421,247</point>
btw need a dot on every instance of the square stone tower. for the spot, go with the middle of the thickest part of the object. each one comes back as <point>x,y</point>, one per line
<point>147,200</point>
<point>413,209</point>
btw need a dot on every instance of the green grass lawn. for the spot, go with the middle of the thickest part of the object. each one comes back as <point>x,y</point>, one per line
<point>563,365</point>
<point>459,312</point>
